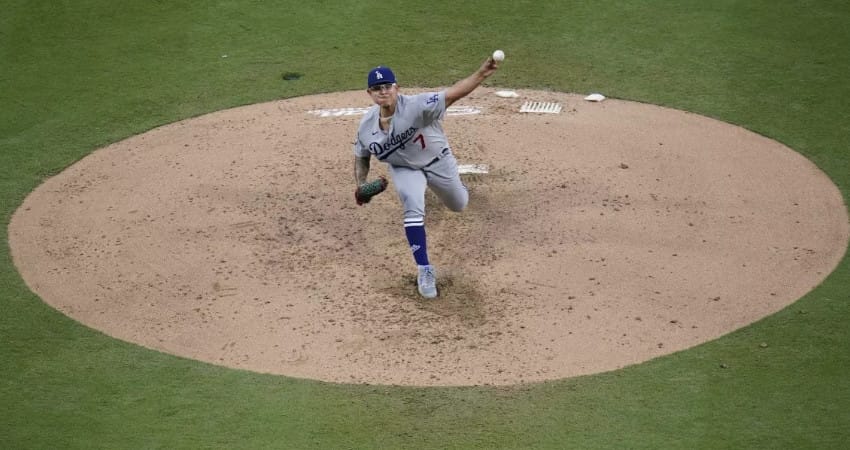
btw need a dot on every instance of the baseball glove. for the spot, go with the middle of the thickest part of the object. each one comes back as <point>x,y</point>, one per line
<point>365,192</point>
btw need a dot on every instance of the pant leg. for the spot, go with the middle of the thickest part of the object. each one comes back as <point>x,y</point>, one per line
<point>410,185</point>
<point>444,179</point>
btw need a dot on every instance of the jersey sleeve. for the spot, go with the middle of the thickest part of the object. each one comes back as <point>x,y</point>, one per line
<point>433,106</point>
<point>359,150</point>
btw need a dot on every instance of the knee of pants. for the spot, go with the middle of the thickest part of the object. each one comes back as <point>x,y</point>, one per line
<point>458,203</point>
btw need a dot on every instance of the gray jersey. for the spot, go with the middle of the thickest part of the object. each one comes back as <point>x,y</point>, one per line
<point>415,136</point>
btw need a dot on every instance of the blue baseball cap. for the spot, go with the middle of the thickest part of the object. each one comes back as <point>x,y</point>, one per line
<point>380,75</point>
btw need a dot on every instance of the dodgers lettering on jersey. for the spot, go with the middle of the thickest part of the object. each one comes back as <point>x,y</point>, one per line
<point>415,136</point>
<point>395,141</point>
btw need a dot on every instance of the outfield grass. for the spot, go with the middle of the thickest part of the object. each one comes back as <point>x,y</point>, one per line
<point>75,76</point>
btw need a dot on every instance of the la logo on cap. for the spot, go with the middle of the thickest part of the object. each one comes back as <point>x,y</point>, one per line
<point>380,75</point>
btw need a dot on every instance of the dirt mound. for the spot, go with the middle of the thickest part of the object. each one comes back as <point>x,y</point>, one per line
<point>602,236</point>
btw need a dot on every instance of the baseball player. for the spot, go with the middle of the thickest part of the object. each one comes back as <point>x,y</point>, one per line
<point>406,133</point>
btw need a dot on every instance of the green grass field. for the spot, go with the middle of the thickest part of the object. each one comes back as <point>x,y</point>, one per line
<point>75,76</point>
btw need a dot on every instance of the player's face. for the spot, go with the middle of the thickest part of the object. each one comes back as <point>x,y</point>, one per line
<point>384,94</point>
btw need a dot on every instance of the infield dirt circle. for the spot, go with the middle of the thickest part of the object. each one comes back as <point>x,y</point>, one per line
<point>603,236</point>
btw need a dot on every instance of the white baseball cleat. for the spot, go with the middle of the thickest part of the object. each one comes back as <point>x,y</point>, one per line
<point>427,281</point>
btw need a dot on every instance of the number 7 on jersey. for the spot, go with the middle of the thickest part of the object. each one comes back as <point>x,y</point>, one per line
<point>421,140</point>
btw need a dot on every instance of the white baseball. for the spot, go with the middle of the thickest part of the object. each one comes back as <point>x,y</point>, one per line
<point>498,55</point>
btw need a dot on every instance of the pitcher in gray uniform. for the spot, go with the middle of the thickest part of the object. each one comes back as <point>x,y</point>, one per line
<point>406,133</point>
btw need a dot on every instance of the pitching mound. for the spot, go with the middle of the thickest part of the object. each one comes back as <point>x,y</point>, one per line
<point>604,235</point>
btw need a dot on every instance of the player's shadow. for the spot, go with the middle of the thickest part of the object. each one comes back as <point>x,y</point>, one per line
<point>459,297</point>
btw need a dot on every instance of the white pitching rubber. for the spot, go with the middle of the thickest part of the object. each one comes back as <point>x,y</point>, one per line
<point>540,107</point>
